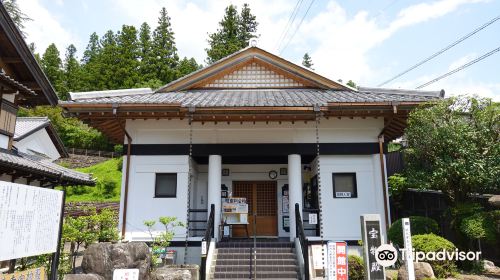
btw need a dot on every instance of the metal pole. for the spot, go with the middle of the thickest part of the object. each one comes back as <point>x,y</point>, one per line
<point>57,254</point>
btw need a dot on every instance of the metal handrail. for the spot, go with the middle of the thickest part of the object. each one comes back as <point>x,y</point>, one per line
<point>304,245</point>
<point>209,234</point>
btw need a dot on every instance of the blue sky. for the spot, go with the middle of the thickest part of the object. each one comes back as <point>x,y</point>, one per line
<point>366,41</point>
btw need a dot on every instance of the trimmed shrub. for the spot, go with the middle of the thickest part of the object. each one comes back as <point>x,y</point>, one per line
<point>419,225</point>
<point>356,269</point>
<point>433,243</point>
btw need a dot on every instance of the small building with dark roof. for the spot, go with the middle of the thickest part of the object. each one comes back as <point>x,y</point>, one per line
<point>28,145</point>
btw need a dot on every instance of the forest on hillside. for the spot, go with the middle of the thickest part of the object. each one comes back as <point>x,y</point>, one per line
<point>131,57</point>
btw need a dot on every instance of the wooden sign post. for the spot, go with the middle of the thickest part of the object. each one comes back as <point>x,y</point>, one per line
<point>408,249</point>
<point>372,239</point>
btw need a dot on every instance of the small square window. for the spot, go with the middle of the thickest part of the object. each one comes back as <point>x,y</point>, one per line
<point>344,185</point>
<point>166,185</point>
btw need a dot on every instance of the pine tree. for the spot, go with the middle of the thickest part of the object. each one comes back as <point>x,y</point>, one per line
<point>127,67</point>
<point>17,16</point>
<point>307,61</point>
<point>52,67</point>
<point>164,50</point>
<point>187,66</point>
<point>72,73</point>
<point>234,33</point>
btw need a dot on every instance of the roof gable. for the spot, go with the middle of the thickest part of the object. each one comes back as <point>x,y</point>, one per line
<point>252,68</point>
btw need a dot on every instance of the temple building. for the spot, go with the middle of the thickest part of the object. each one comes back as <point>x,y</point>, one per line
<point>245,142</point>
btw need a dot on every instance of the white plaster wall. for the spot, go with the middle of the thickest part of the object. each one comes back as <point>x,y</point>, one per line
<point>142,205</point>
<point>40,142</point>
<point>4,141</point>
<point>341,216</point>
<point>345,130</point>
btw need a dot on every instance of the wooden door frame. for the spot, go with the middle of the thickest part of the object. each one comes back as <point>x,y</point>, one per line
<point>254,193</point>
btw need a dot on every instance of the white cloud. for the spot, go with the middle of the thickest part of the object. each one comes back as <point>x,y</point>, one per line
<point>44,28</point>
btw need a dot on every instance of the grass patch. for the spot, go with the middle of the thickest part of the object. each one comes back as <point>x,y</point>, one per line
<point>108,177</point>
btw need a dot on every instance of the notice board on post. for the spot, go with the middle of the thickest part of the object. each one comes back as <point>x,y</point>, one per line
<point>29,220</point>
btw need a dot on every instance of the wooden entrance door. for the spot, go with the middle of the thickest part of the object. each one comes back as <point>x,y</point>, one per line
<point>261,197</point>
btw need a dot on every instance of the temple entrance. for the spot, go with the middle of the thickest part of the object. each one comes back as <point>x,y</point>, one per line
<point>261,196</point>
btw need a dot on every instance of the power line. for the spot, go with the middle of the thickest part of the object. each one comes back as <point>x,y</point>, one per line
<point>442,50</point>
<point>291,19</point>
<point>298,26</point>
<point>460,68</point>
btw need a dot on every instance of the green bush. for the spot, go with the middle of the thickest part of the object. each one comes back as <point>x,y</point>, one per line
<point>480,225</point>
<point>419,225</point>
<point>433,243</point>
<point>356,268</point>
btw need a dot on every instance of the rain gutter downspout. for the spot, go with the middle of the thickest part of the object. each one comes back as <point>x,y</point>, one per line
<point>127,171</point>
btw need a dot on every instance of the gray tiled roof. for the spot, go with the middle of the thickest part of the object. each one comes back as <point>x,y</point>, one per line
<point>39,165</point>
<point>264,97</point>
<point>26,126</point>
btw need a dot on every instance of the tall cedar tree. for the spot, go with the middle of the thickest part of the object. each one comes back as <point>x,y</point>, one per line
<point>164,49</point>
<point>187,66</point>
<point>127,70</point>
<point>307,61</point>
<point>90,63</point>
<point>234,33</point>
<point>72,80</point>
<point>52,67</point>
<point>108,63</point>
<point>146,55</point>
<point>16,14</point>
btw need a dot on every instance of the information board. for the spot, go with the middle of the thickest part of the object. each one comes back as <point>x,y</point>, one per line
<point>29,220</point>
<point>126,274</point>
<point>337,268</point>
<point>33,274</point>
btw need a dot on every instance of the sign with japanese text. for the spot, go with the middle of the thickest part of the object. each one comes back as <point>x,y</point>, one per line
<point>337,260</point>
<point>29,220</point>
<point>33,274</point>
<point>408,248</point>
<point>313,219</point>
<point>126,274</point>
<point>372,239</point>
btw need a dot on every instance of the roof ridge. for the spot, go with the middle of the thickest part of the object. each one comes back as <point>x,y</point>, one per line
<point>109,93</point>
<point>435,93</point>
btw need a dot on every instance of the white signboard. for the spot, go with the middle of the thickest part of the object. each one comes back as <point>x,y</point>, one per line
<point>313,219</point>
<point>126,274</point>
<point>408,248</point>
<point>29,220</point>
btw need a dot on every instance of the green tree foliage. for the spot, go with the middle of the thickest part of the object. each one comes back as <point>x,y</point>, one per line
<point>454,146</point>
<point>162,239</point>
<point>146,56</point>
<point>419,225</point>
<point>234,33</point>
<point>307,61</point>
<point>52,67</point>
<point>73,132</point>
<point>72,75</point>
<point>356,267</point>
<point>433,243</point>
<point>164,50</point>
<point>351,84</point>
<point>16,14</point>
<point>187,66</point>
<point>128,57</point>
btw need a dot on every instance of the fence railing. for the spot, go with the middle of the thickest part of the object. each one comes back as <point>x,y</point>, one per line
<point>304,245</point>
<point>197,222</point>
<point>95,153</point>
<point>209,234</point>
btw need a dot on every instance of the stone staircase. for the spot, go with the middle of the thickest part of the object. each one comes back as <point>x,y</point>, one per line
<point>275,260</point>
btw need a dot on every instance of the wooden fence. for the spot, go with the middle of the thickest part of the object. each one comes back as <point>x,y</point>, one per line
<point>95,153</point>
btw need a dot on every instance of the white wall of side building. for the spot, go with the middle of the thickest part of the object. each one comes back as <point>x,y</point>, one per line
<point>4,141</point>
<point>341,216</point>
<point>40,142</point>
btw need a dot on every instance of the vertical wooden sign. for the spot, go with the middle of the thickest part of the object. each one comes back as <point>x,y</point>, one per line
<point>372,239</point>
<point>408,249</point>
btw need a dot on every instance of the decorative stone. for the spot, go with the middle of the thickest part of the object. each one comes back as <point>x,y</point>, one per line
<point>494,201</point>
<point>82,277</point>
<point>176,272</point>
<point>423,270</point>
<point>491,268</point>
<point>104,258</point>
